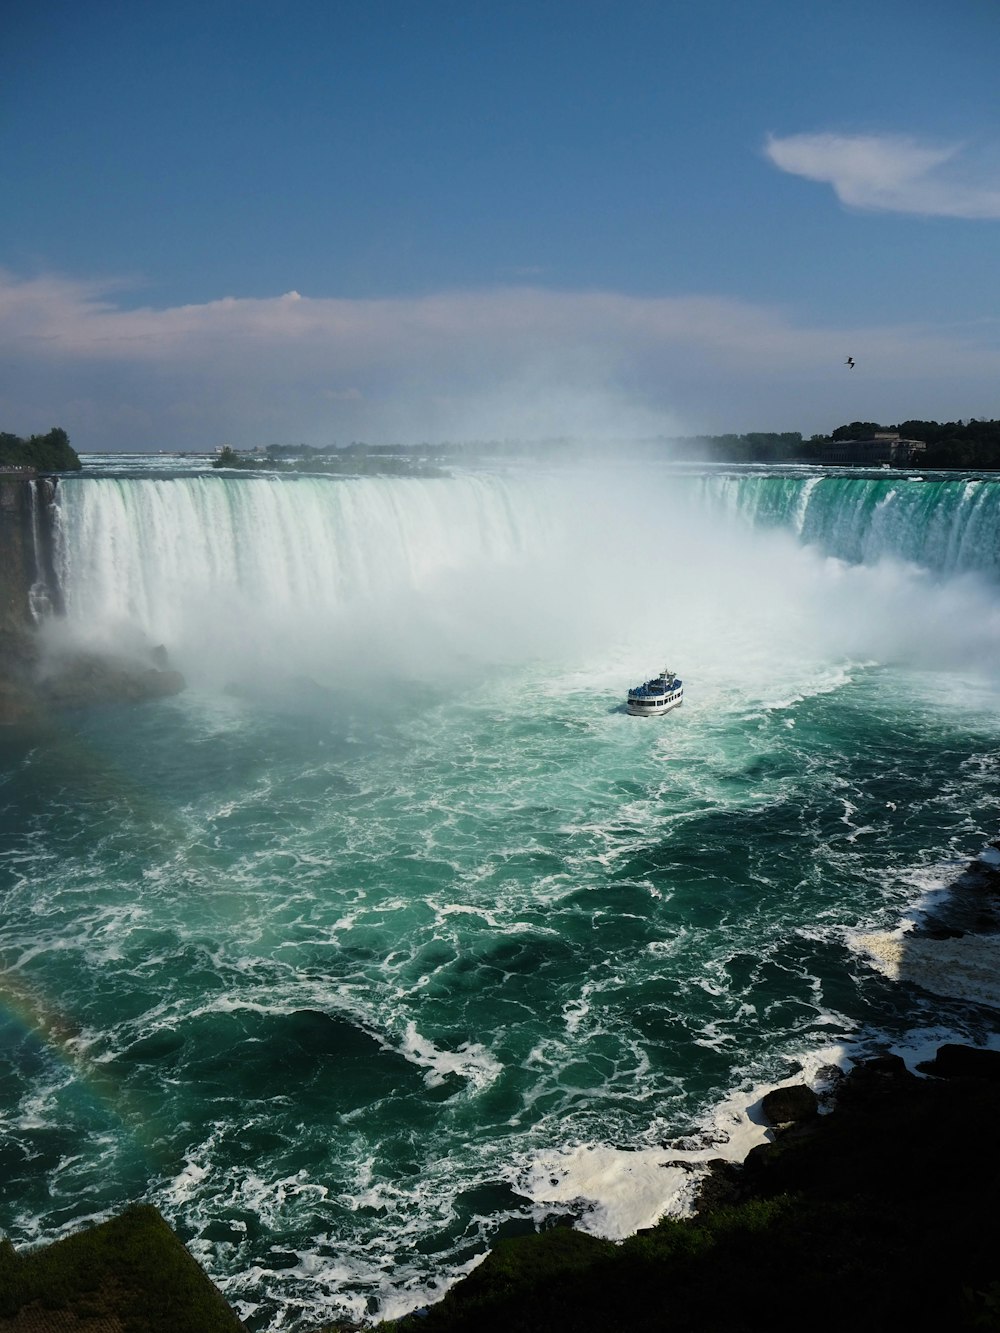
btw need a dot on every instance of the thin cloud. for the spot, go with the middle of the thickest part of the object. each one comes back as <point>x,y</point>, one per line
<point>891,173</point>
<point>518,361</point>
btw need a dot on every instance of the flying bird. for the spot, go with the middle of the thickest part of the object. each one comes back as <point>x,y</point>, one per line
<point>850,362</point>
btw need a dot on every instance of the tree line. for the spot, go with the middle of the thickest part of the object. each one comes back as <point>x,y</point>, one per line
<point>45,453</point>
<point>968,444</point>
<point>950,444</point>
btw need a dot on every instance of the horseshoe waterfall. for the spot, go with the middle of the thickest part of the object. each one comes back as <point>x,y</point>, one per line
<point>393,933</point>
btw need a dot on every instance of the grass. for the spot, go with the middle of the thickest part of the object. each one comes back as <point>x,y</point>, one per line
<point>133,1269</point>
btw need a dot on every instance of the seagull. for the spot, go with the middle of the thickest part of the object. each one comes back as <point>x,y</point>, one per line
<point>850,362</point>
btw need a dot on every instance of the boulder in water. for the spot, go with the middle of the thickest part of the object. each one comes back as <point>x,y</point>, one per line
<point>87,679</point>
<point>790,1106</point>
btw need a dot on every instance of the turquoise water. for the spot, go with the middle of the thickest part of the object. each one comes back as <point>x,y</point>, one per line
<point>394,932</point>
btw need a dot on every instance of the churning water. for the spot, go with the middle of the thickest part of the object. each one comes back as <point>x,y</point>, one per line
<point>394,932</point>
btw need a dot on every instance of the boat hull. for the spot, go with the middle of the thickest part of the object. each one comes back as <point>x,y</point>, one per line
<point>653,707</point>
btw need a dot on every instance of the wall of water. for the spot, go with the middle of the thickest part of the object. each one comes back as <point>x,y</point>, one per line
<point>284,572</point>
<point>947,525</point>
<point>341,579</point>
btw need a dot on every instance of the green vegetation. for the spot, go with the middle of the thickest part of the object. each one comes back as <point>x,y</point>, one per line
<point>954,444</point>
<point>758,446</point>
<point>970,444</point>
<point>46,453</point>
<point>966,445</point>
<point>132,1268</point>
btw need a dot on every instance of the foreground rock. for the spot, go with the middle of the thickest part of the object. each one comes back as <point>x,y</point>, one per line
<point>882,1216</point>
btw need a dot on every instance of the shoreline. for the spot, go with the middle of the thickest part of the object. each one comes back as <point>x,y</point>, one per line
<point>784,1158</point>
<point>848,1201</point>
<point>929,1082</point>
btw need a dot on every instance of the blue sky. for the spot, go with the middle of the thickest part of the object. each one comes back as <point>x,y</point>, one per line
<point>403,219</point>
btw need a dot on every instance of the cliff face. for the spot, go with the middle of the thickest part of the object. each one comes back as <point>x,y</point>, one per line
<point>33,682</point>
<point>23,509</point>
<point>24,527</point>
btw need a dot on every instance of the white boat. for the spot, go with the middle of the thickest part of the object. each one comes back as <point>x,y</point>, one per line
<point>656,696</point>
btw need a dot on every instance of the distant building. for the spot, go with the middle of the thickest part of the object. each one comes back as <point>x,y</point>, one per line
<point>885,447</point>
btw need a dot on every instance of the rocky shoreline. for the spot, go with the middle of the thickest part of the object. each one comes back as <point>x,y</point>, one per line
<point>874,1205</point>
<point>881,1213</point>
<point>878,1214</point>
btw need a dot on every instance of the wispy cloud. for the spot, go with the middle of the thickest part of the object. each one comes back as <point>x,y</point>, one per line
<point>519,361</point>
<point>892,173</point>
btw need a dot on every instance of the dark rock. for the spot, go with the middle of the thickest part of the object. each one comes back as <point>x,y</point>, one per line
<point>829,1080</point>
<point>972,904</point>
<point>89,679</point>
<point>759,1159</point>
<point>876,1080</point>
<point>873,1205</point>
<point>16,705</point>
<point>953,1061</point>
<point>789,1106</point>
<point>18,659</point>
<point>722,1187</point>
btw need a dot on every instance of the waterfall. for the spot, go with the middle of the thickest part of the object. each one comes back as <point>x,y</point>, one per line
<point>275,569</point>
<point>30,588</point>
<point>949,526</point>
<point>350,579</point>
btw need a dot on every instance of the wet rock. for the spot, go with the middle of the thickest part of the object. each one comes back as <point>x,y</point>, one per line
<point>17,705</point>
<point>828,1081</point>
<point>963,1062</point>
<point>722,1186</point>
<point>88,679</point>
<point>18,659</point>
<point>876,1080</point>
<point>790,1106</point>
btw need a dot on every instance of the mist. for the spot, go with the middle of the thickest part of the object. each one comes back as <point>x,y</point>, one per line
<point>259,582</point>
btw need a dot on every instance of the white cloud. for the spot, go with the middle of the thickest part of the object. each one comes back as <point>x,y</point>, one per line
<point>521,361</point>
<point>891,173</point>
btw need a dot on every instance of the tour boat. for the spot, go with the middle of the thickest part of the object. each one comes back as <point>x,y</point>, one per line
<point>656,696</point>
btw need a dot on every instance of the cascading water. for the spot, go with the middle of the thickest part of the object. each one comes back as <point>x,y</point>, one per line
<point>269,570</point>
<point>44,597</point>
<point>432,940</point>
<point>949,525</point>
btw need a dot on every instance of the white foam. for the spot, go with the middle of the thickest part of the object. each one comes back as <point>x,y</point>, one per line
<point>186,1182</point>
<point>470,1061</point>
<point>394,1303</point>
<point>622,1191</point>
<point>967,968</point>
<point>462,909</point>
